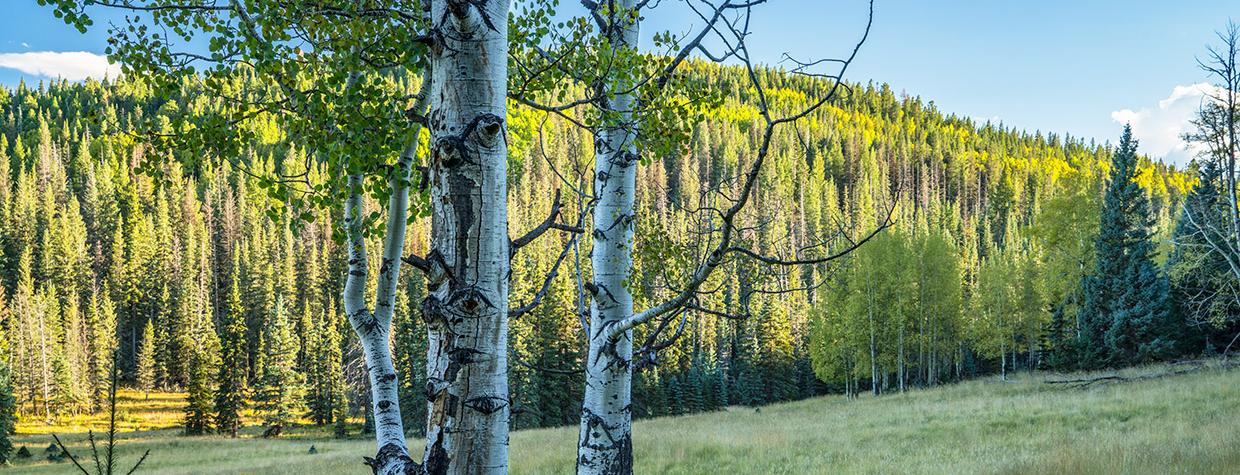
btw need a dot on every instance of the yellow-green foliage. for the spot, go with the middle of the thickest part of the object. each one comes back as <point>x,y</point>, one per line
<point>1162,425</point>
<point>135,411</point>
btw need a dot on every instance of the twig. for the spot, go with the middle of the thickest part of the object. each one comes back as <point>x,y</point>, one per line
<point>69,454</point>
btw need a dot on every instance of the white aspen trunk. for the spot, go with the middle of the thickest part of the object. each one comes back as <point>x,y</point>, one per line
<point>848,381</point>
<point>900,372</point>
<point>923,367</point>
<point>466,309</point>
<point>373,328</point>
<point>1015,351</point>
<point>1003,362</point>
<point>873,350</point>
<point>605,442</point>
<point>959,361</point>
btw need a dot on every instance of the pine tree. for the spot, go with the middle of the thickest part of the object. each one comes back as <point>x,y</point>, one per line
<point>230,397</point>
<point>1201,281</point>
<point>1126,316</point>
<point>279,387</point>
<point>146,360</point>
<point>59,380</point>
<point>101,323</point>
<point>326,388</point>
<point>334,387</point>
<point>8,264</point>
<point>8,411</point>
<point>409,352</point>
<point>198,409</point>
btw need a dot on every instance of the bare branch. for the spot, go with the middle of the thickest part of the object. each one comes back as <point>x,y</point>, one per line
<point>728,228</point>
<point>549,223</point>
<point>546,285</point>
<point>887,222</point>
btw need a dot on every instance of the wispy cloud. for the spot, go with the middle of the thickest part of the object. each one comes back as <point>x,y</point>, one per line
<point>25,44</point>
<point>71,65</point>
<point>1160,128</point>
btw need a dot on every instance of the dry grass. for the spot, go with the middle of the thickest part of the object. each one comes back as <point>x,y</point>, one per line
<point>1174,424</point>
<point>135,411</point>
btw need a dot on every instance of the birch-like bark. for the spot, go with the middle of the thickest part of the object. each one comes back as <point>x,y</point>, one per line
<point>466,309</point>
<point>605,442</point>
<point>372,332</point>
<point>373,328</point>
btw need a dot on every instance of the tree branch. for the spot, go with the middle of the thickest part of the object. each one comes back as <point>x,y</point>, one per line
<point>727,229</point>
<point>549,223</point>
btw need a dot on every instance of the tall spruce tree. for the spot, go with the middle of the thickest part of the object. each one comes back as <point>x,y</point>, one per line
<point>409,352</point>
<point>101,322</point>
<point>146,360</point>
<point>1126,318</point>
<point>198,409</point>
<point>8,400</point>
<point>8,411</point>
<point>234,361</point>
<point>325,390</point>
<point>279,386</point>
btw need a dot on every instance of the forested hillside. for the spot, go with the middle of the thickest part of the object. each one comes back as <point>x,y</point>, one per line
<point>210,277</point>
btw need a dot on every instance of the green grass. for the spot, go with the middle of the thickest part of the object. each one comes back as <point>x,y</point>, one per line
<point>136,411</point>
<point>1165,425</point>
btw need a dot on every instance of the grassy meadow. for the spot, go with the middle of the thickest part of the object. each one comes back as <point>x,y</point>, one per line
<point>1159,421</point>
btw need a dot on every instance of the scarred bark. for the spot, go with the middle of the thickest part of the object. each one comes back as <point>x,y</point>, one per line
<point>605,442</point>
<point>466,309</point>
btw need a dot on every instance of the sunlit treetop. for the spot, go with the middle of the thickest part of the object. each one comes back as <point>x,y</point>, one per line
<point>337,78</point>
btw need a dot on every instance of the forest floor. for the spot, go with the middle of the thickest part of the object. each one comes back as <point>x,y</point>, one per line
<point>1160,419</point>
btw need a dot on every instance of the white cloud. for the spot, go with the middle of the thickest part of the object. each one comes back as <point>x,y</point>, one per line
<point>1160,129</point>
<point>71,65</point>
<point>25,44</point>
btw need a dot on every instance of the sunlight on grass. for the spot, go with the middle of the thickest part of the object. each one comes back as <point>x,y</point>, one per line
<point>1173,424</point>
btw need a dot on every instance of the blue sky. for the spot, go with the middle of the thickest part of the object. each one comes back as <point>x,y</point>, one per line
<point>1079,67</point>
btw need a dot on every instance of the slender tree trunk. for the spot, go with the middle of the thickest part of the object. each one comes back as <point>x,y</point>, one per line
<point>1033,354</point>
<point>466,308</point>
<point>605,442</point>
<point>1012,359</point>
<point>373,328</point>
<point>44,372</point>
<point>900,372</point>
<point>847,381</point>
<point>1003,363</point>
<point>923,366</point>
<point>873,351</point>
<point>959,361</point>
<point>932,373</point>
<point>1231,97</point>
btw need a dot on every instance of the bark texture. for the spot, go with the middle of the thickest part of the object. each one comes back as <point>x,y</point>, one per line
<point>605,442</point>
<point>466,309</point>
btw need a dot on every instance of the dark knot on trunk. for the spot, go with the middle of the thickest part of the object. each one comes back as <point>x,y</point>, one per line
<point>393,459</point>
